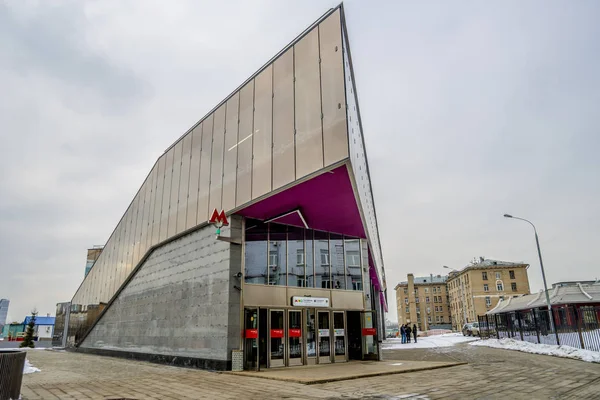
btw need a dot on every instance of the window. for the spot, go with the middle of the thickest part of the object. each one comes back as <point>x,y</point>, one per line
<point>512,274</point>
<point>427,299</point>
<point>484,276</point>
<point>428,310</point>
<point>357,284</point>
<point>417,299</point>
<point>499,286</point>
<point>353,258</point>
<point>488,301</point>
<point>405,291</point>
<point>326,283</point>
<point>434,289</point>
<point>301,282</point>
<point>498,275</point>
<point>513,286</point>
<point>299,257</point>
<point>426,290</point>
<point>429,319</point>
<point>407,310</point>
<point>406,300</point>
<point>486,288</point>
<point>324,257</point>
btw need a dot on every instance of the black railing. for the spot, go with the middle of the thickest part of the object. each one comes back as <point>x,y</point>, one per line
<point>575,326</point>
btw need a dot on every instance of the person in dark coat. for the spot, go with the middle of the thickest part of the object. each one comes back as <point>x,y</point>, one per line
<point>414,331</point>
<point>408,330</point>
<point>403,333</point>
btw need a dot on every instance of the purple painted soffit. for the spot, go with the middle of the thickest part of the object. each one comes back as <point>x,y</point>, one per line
<point>327,203</point>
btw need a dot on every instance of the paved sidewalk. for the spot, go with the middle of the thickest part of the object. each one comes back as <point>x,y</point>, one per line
<point>314,374</point>
<point>490,374</point>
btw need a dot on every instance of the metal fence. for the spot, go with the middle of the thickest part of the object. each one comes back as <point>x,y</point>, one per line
<point>574,326</point>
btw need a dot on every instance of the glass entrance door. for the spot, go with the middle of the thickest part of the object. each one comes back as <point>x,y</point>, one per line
<point>276,338</point>
<point>323,337</point>
<point>294,337</point>
<point>251,339</point>
<point>339,336</point>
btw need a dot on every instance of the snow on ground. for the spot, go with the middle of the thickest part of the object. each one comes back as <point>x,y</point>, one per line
<point>546,349</point>
<point>428,342</point>
<point>30,369</point>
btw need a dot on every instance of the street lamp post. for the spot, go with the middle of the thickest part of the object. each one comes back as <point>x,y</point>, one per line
<point>537,242</point>
<point>462,288</point>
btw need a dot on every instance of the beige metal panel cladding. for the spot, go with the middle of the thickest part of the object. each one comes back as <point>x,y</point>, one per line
<point>231,152</point>
<point>284,164</point>
<point>158,199</point>
<point>216,165</point>
<point>192,205</point>
<point>166,195</point>
<point>309,133</point>
<point>347,300</point>
<point>335,133</point>
<point>262,138</point>
<point>184,183</point>
<point>244,145</point>
<point>204,183</point>
<point>148,231</point>
<point>175,181</point>
<point>258,295</point>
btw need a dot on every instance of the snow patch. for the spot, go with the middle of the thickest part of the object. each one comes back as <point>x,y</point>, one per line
<point>428,342</point>
<point>30,369</point>
<point>545,349</point>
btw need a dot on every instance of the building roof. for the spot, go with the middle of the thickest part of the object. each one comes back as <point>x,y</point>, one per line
<point>420,280</point>
<point>572,294</point>
<point>40,320</point>
<point>487,263</point>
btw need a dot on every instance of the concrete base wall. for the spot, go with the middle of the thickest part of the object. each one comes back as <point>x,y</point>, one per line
<point>180,304</point>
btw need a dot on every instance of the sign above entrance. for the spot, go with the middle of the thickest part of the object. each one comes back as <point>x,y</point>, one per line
<point>298,301</point>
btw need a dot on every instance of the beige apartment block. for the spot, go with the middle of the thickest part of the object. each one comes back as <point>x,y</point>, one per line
<point>423,301</point>
<point>478,287</point>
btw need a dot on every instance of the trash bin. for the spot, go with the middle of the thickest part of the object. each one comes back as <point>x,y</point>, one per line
<point>12,362</point>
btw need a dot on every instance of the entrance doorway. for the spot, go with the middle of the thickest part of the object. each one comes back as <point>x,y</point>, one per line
<point>262,337</point>
<point>323,337</point>
<point>354,335</point>
<point>294,337</point>
<point>276,338</point>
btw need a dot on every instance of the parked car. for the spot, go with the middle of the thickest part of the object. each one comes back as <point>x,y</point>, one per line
<point>471,329</point>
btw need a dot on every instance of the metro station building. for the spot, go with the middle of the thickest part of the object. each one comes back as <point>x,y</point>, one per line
<point>295,276</point>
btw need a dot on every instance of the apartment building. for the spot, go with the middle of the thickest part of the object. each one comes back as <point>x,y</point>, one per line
<point>424,301</point>
<point>477,288</point>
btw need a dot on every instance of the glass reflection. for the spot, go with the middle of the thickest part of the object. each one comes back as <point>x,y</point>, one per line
<point>310,259</point>
<point>296,257</point>
<point>353,268</point>
<point>256,253</point>
<point>277,254</point>
<point>311,341</point>
<point>336,251</point>
<point>322,261</point>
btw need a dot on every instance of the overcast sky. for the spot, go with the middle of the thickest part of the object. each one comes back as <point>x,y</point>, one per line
<point>470,110</point>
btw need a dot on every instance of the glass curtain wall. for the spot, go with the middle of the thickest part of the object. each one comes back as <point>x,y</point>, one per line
<point>283,255</point>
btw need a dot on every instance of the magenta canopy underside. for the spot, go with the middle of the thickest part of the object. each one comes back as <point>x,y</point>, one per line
<point>327,203</point>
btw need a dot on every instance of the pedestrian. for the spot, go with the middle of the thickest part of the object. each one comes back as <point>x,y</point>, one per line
<point>403,333</point>
<point>408,330</point>
<point>414,330</point>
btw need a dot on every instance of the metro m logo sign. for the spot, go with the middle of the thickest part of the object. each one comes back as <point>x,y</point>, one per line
<point>219,218</point>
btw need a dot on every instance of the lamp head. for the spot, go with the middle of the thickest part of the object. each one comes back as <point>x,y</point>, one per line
<point>507,216</point>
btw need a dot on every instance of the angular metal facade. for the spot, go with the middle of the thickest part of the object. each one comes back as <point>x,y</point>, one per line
<point>286,123</point>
